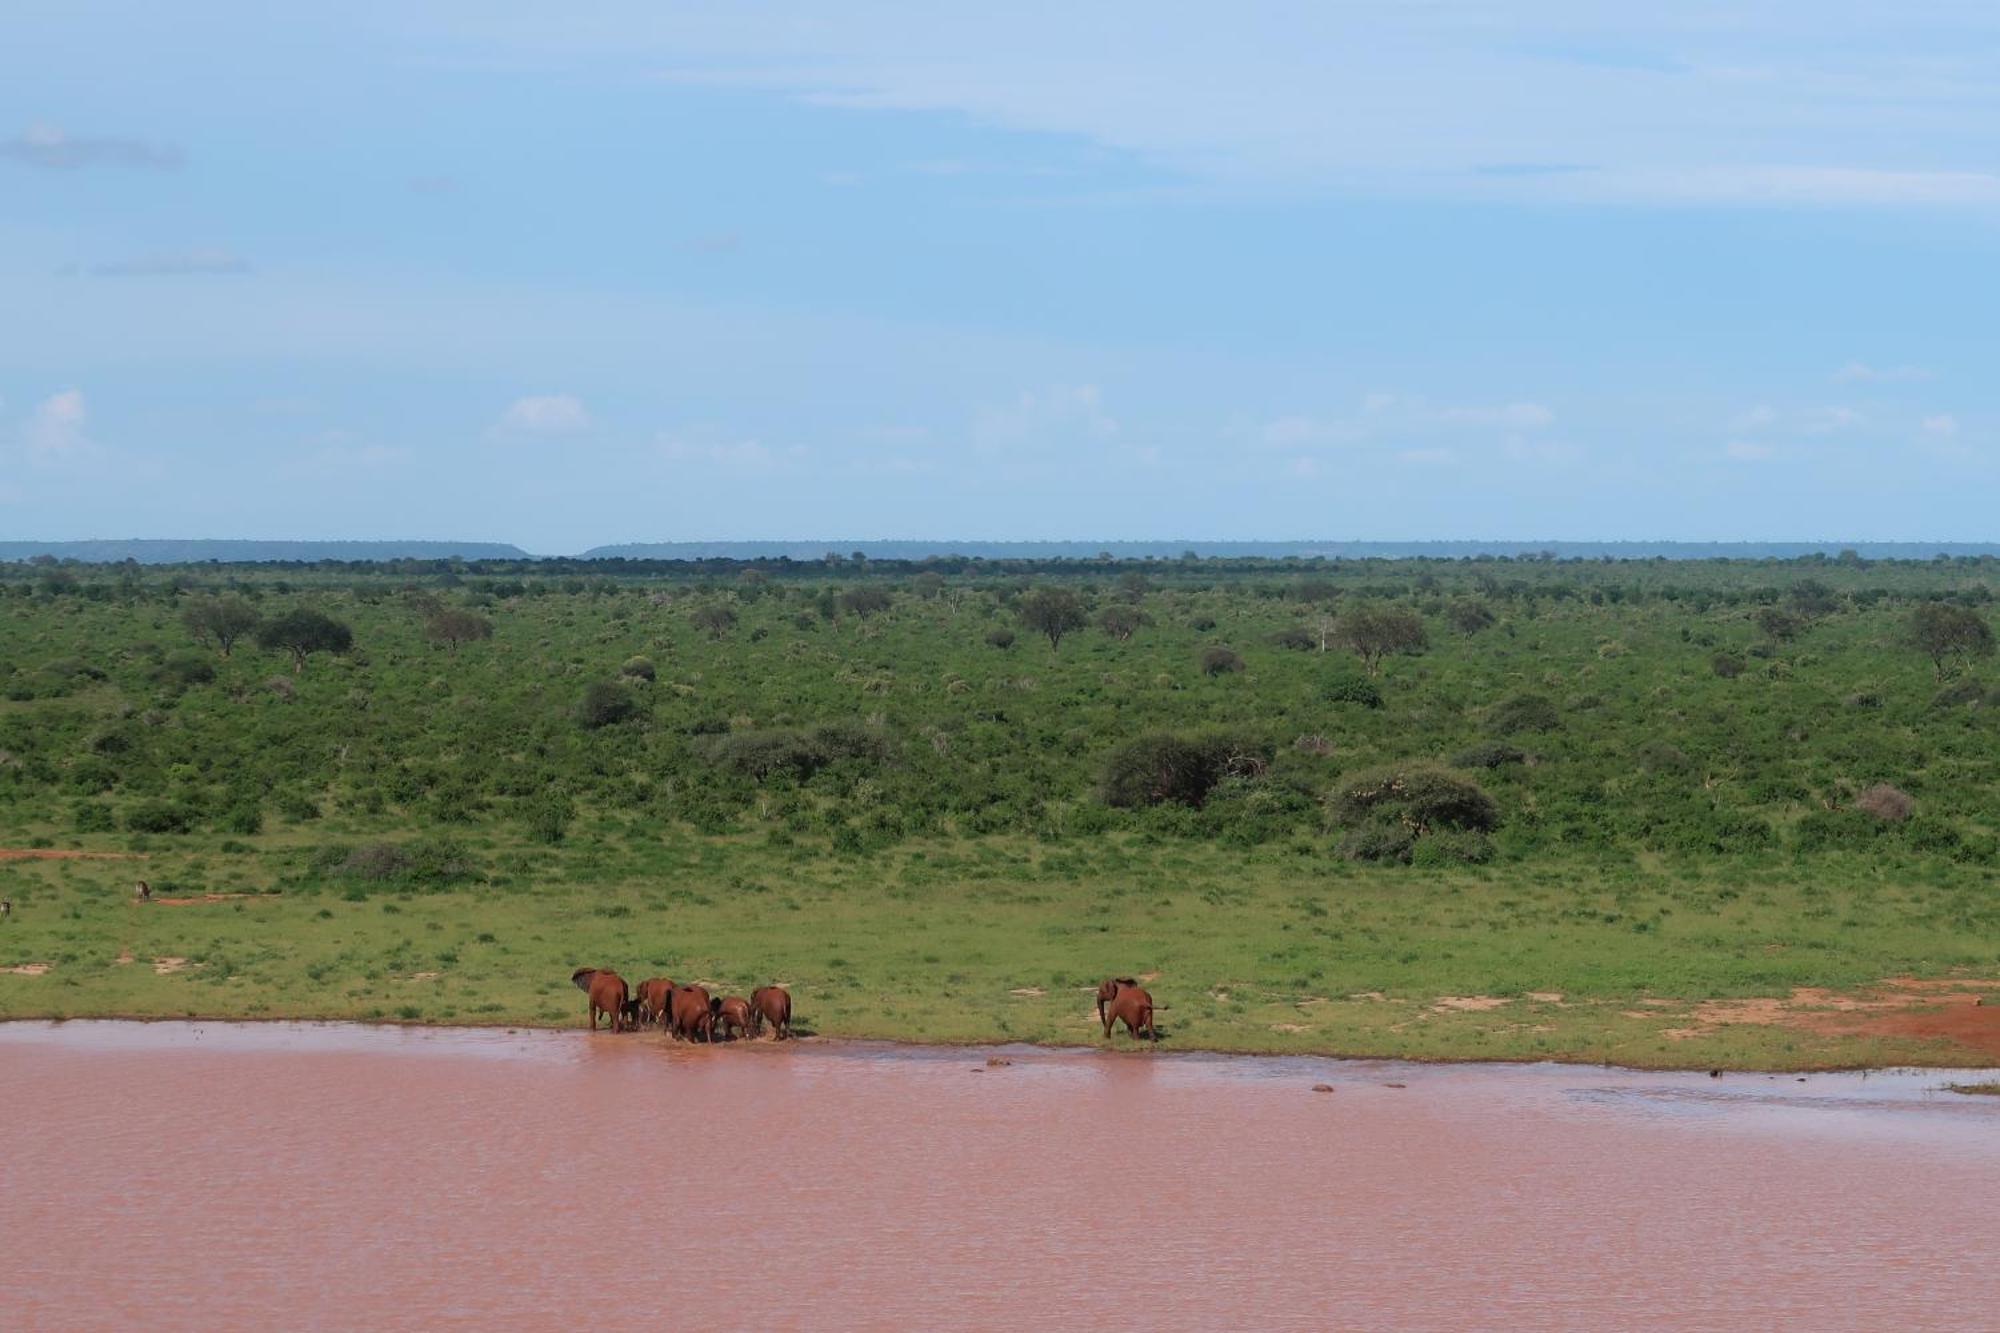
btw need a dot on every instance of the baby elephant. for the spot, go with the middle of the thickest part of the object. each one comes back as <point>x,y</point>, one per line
<point>1132,1006</point>
<point>731,1012</point>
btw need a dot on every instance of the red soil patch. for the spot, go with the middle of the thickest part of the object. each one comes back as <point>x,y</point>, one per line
<point>1963,1011</point>
<point>63,854</point>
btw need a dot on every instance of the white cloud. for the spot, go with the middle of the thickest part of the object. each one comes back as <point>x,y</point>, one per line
<point>1744,451</point>
<point>1525,450</point>
<point>1427,457</point>
<point>55,149</point>
<point>745,455</point>
<point>1393,417</point>
<point>1943,425</point>
<point>545,414</point>
<point>1048,416</point>
<point>1704,103</point>
<point>1520,416</point>
<point>56,428</point>
<point>1856,372</point>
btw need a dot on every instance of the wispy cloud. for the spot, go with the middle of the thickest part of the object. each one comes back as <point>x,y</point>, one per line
<point>545,414</point>
<point>57,150</point>
<point>55,430</point>
<point>1394,417</point>
<point>1747,451</point>
<point>173,263</point>
<point>736,455</point>
<point>1856,372</point>
<point>1943,425</point>
<point>1064,412</point>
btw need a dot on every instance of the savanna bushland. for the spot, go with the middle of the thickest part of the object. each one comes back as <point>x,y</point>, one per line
<point>1480,807</point>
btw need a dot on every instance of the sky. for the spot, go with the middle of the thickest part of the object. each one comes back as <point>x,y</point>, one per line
<point>1388,271</point>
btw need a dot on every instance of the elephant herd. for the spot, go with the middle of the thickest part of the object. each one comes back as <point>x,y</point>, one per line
<point>688,1012</point>
<point>692,1014</point>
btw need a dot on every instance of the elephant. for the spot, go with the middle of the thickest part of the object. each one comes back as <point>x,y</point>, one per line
<point>1133,1007</point>
<point>731,1012</point>
<point>688,1008</point>
<point>773,1003</point>
<point>652,993</point>
<point>1107,989</point>
<point>607,993</point>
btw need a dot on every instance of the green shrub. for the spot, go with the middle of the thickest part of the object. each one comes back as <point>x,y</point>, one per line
<point>1168,769</point>
<point>605,703</point>
<point>1419,796</point>
<point>639,668</point>
<point>92,817</point>
<point>1490,754</point>
<point>160,817</point>
<point>1351,690</point>
<point>1524,712</point>
<point>795,752</point>
<point>1219,661</point>
<point>1000,638</point>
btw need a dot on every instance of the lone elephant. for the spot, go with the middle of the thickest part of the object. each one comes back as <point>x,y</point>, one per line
<point>1108,988</point>
<point>1132,1006</point>
<point>607,993</point>
<point>772,1004</point>
<point>689,1013</point>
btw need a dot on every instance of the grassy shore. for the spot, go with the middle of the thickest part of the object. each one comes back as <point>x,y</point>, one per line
<point>1261,949</point>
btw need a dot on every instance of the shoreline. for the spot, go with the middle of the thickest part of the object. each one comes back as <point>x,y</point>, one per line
<point>1122,1047</point>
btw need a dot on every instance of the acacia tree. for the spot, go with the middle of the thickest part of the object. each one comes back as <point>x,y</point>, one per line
<point>717,620</point>
<point>1373,632</point>
<point>1942,632</point>
<point>451,627</point>
<point>1052,612</point>
<point>220,621</point>
<point>302,633</point>
<point>1122,622</point>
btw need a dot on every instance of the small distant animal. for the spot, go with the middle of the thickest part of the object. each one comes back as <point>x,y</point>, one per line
<point>607,993</point>
<point>772,1004</point>
<point>6,907</point>
<point>144,890</point>
<point>1108,988</point>
<point>652,993</point>
<point>689,1013</point>
<point>1133,1007</point>
<point>732,1011</point>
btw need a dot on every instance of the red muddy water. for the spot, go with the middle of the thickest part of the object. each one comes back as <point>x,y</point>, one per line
<point>259,1176</point>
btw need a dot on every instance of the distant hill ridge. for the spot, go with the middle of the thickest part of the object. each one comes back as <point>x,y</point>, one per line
<point>1130,550</point>
<point>151,551</point>
<point>160,551</point>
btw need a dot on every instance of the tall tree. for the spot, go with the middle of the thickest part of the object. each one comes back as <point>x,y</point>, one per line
<point>220,621</point>
<point>1052,612</point>
<point>1373,632</point>
<point>1943,631</point>
<point>303,633</point>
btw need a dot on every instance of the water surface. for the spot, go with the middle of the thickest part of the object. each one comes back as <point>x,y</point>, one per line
<point>251,1175</point>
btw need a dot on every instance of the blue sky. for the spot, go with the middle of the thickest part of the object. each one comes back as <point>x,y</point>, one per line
<point>1359,271</point>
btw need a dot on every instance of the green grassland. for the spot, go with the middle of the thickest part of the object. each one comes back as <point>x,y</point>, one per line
<point>908,824</point>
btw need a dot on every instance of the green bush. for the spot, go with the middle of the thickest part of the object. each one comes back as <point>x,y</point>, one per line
<point>1524,712</point>
<point>1168,769</point>
<point>1351,690</point>
<point>605,703</point>
<point>1421,797</point>
<point>1490,754</point>
<point>160,817</point>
